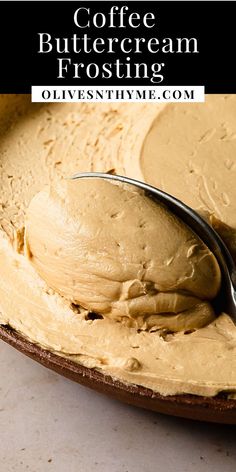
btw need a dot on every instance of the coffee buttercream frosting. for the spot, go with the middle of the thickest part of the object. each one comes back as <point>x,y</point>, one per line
<point>154,328</point>
<point>114,251</point>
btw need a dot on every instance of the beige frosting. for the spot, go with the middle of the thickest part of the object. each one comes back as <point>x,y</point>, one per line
<point>114,251</point>
<point>196,145</point>
<point>42,144</point>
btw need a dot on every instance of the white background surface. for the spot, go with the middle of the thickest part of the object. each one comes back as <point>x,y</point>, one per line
<point>50,424</point>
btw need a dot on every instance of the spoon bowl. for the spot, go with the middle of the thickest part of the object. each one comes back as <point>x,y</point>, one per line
<point>226,299</point>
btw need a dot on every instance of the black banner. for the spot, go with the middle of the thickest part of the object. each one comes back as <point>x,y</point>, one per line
<point>117,43</point>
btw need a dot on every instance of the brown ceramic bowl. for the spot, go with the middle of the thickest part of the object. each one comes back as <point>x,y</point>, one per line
<point>218,409</point>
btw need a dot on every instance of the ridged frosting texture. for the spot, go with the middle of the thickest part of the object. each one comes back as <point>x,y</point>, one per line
<point>111,249</point>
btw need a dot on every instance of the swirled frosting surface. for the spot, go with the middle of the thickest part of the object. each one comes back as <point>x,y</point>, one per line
<point>187,150</point>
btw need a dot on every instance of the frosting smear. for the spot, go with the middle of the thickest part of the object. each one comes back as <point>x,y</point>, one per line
<point>114,251</point>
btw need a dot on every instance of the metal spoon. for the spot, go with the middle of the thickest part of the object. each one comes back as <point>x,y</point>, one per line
<point>226,299</point>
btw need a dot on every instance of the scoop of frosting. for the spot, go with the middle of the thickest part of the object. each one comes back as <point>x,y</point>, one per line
<point>111,249</point>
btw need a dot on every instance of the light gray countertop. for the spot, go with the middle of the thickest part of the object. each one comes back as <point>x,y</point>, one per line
<point>50,424</point>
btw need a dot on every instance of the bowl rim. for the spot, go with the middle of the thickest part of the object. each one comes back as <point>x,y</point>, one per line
<point>218,409</point>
